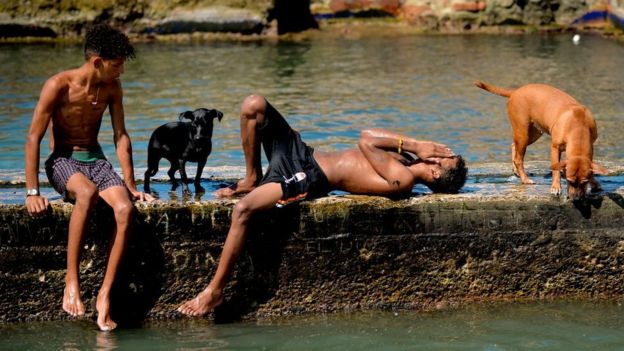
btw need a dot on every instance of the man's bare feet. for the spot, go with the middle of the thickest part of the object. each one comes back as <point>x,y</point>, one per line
<point>104,320</point>
<point>203,303</point>
<point>72,303</point>
<point>243,186</point>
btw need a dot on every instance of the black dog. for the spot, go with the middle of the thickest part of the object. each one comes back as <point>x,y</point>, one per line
<point>180,142</point>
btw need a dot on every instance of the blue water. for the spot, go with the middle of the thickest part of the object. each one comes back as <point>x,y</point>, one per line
<point>534,326</point>
<point>329,89</point>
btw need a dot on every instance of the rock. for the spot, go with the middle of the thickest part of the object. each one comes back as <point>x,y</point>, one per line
<point>214,19</point>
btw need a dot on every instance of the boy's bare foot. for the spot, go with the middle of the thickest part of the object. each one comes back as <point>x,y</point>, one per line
<point>243,186</point>
<point>104,320</point>
<point>203,303</point>
<point>72,303</point>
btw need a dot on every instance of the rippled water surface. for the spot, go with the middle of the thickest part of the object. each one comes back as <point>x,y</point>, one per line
<point>329,89</point>
<point>551,326</point>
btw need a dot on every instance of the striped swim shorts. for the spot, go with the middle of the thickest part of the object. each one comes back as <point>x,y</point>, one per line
<point>60,168</point>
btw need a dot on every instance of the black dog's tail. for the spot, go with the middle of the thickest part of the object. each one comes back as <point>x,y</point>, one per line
<point>153,157</point>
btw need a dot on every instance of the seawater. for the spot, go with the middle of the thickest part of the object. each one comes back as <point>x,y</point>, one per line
<point>498,327</point>
<point>330,89</point>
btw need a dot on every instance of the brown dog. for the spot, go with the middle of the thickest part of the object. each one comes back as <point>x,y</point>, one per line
<point>535,109</point>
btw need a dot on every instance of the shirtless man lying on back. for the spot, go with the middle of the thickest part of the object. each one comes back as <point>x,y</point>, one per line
<point>382,164</point>
<point>75,102</point>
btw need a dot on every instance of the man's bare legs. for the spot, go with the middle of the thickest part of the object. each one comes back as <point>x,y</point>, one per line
<point>251,116</point>
<point>80,188</point>
<point>117,197</point>
<point>260,199</point>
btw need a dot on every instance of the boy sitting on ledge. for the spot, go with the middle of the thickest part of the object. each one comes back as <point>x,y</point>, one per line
<point>75,102</point>
<point>381,164</point>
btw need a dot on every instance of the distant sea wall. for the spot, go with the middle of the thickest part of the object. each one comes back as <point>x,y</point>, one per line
<point>45,18</point>
<point>342,253</point>
<point>441,13</point>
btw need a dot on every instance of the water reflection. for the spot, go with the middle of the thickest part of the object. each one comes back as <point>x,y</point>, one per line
<point>105,341</point>
<point>552,326</point>
<point>288,56</point>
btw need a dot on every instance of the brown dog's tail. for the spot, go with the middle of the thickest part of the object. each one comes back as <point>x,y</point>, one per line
<point>494,90</point>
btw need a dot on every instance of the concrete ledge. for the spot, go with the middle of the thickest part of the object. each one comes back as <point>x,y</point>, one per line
<point>332,254</point>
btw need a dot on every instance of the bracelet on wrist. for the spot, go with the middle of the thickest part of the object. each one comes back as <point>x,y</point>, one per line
<point>32,192</point>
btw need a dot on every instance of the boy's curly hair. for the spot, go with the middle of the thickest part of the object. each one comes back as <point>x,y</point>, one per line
<point>108,43</point>
<point>452,180</point>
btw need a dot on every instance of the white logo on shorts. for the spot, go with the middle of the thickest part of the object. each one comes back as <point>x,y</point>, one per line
<point>299,176</point>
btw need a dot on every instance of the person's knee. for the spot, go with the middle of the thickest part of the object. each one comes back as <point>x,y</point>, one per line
<point>123,211</point>
<point>241,212</point>
<point>253,105</point>
<point>86,194</point>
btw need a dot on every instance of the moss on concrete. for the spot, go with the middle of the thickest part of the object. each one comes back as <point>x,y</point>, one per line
<point>333,254</point>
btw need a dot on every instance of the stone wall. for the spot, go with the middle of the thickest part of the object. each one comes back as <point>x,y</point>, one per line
<point>69,18</point>
<point>49,18</point>
<point>436,14</point>
<point>333,254</point>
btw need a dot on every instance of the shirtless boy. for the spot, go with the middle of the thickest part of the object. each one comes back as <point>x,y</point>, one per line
<point>381,164</point>
<point>74,102</point>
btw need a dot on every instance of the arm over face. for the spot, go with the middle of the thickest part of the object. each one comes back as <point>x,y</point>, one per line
<point>379,146</point>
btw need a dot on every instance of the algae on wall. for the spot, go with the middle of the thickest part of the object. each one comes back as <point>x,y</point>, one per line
<point>150,8</point>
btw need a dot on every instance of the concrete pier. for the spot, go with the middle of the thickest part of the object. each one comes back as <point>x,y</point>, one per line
<point>339,253</point>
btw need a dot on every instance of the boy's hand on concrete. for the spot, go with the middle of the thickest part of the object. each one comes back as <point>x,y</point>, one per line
<point>141,196</point>
<point>36,205</point>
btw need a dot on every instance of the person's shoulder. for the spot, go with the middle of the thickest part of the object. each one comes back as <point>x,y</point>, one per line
<point>59,81</point>
<point>114,84</point>
<point>114,88</point>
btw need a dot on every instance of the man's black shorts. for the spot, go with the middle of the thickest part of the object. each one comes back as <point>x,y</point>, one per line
<point>291,161</point>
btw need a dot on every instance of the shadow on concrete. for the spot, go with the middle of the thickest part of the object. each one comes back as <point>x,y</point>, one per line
<point>256,278</point>
<point>140,279</point>
<point>584,206</point>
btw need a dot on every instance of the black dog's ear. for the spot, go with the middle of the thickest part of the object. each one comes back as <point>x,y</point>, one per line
<point>218,114</point>
<point>186,115</point>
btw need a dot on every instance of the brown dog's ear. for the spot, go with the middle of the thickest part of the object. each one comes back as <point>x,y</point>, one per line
<point>186,115</point>
<point>598,169</point>
<point>561,166</point>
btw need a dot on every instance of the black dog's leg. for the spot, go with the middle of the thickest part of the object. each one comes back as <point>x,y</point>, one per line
<point>174,167</point>
<point>200,168</point>
<point>183,177</point>
<point>153,157</point>
<point>146,182</point>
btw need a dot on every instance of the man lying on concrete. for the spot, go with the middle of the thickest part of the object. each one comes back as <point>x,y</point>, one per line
<point>382,164</point>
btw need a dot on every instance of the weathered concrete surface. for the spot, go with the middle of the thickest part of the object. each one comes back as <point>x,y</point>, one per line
<point>333,254</point>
